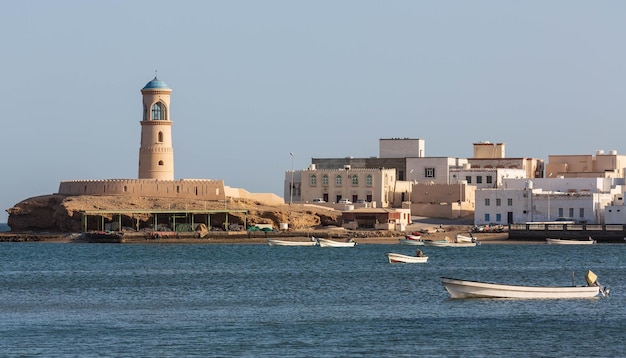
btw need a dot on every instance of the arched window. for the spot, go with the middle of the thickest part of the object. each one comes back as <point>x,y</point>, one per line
<point>368,180</point>
<point>160,162</point>
<point>313,179</point>
<point>160,137</point>
<point>338,180</point>
<point>158,112</point>
<point>325,180</point>
<point>355,180</point>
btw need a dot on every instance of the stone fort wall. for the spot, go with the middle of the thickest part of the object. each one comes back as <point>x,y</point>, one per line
<point>199,189</point>
<point>196,189</point>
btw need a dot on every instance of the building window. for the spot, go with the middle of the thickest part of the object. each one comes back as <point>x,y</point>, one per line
<point>325,180</point>
<point>487,218</point>
<point>498,217</point>
<point>582,212</point>
<point>338,180</point>
<point>560,212</point>
<point>160,162</point>
<point>368,180</point>
<point>489,179</point>
<point>160,139</point>
<point>487,202</point>
<point>158,111</point>
<point>468,178</point>
<point>571,212</point>
<point>429,172</point>
<point>355,180</point>
<point>479,179</point>
<point>498,202</point>
<point>313,180</point>
<point>509,202</point>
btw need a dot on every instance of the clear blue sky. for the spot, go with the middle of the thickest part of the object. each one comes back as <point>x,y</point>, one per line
<point>256,80</point>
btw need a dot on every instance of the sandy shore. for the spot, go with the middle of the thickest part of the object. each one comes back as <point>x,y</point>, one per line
<point>362,238</point>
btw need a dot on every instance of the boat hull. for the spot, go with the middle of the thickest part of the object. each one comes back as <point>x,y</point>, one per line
<point>414,242</point>
<point>399,258</point>
<point>569,242</point>
<point>444,243</point>
<point>274,242</point>
<point>475,289</point>
<point>331,243</point>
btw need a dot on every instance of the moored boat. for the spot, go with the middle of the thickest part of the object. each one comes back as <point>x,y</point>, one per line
<point>477,289</point>
<point>400,258</point>
<point>588,241</point>
<point>447,242</point>
<point>331,243</point>
<point>463,238</point>
<point>275,242</point>
<point>411,239</point>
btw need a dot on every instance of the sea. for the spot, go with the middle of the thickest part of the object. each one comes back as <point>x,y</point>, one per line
<point>245,300</point>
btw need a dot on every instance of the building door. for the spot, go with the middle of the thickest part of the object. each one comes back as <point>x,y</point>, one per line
<point>509,217</point>
<point>325,197</point>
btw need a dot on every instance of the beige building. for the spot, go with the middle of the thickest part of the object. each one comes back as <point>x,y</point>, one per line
<point>442,200</point>
<point>375,186</point>
<point>602,165</point>
<point>492,156</point>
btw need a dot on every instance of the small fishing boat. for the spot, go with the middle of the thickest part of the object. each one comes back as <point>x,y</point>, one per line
<point>411,239</point>
<point>275,242</point>
<point>331,243</point>
<point>476,289</point>
<point>588,241</point>
<point>448,242</point>
<point>463,238</point>
<point>400,258</point>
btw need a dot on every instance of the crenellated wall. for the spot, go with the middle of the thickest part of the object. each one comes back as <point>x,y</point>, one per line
<point>202,189</point>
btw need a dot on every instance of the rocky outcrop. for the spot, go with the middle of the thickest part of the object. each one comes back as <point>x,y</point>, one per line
<point>60,213</point>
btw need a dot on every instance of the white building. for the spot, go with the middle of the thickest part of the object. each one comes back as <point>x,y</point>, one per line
<point>547,199</point>
<point>485,178</point>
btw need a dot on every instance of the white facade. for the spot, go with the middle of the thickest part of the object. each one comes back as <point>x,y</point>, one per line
<point>581,199</point>
<point>485,178</point>
<point>432,170</point>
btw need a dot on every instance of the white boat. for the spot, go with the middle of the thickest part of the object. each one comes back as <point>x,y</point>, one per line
<point>399,258</point>
<point>331,243</point>
<point>275,242</point>
<point>447,242</point>
<point>463,238</point>
<point>589,241</point>
<point>476,289</point>
<point>411,240</point>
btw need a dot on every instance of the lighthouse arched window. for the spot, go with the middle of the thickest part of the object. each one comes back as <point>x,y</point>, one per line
<point>159,112</point>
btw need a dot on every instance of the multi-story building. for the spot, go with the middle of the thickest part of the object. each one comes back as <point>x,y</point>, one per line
<point>374,186</point>
<point>602,165</point>
<point>547,199</point>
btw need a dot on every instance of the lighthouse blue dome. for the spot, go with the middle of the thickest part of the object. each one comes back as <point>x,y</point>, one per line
<point>156,84</point>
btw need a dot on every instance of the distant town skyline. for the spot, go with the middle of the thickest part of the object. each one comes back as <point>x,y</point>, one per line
<point>259,87</point>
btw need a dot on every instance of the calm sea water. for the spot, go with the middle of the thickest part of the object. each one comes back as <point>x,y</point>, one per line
<point>255,300</point>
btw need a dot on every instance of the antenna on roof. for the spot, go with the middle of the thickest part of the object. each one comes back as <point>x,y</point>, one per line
<point>155,73</point>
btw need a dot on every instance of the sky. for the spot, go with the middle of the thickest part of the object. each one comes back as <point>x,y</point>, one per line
<point>254,81</point>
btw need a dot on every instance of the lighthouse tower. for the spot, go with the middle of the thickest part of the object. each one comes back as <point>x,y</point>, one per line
<point>156,154</point>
